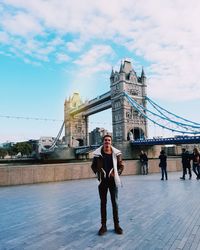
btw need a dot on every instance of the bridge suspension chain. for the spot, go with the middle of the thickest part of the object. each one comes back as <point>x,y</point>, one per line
<point>157,107</point>
<point>188,128</point>
<point>47,150</point>
<point>30,118</point>
<point>170,120</point>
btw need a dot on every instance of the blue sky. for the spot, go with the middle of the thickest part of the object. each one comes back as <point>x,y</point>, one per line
<point>52,48</point>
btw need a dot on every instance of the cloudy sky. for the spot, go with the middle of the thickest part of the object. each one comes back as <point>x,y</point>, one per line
<point>52,48</point>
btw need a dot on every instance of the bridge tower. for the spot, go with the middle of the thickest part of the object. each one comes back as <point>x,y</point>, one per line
<point>127,122</point>
<point>76,126</point>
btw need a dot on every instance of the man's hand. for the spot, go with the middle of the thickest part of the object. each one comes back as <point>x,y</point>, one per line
<point>112,173</point>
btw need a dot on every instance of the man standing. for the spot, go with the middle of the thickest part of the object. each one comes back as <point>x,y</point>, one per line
<point>196,162</point>
<point>186,163</point>
<point>144,162</point>
<point>107,165</point>
<point>163,164</point>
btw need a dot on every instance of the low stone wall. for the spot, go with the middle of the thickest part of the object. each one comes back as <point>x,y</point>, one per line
<point>29,174</point>
<point>133,167</point>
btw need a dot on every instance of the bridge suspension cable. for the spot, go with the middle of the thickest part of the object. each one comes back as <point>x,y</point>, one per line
<point>29,118</point>
<point>180,127</point>
<point>42,149</point>
<point>157,107</point>
<point>48,119</point>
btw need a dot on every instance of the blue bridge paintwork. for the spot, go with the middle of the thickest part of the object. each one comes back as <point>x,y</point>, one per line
<point>168,141</point>
<point>150,142</point>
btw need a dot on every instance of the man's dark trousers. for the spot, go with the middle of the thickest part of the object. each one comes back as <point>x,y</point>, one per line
<point>106,184</point>
<point>185,167</point>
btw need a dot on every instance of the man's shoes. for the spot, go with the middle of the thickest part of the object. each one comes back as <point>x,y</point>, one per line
<point>162,179</point>
<point>182,178</point>
<point>118,229</point>
<point>102,230</point>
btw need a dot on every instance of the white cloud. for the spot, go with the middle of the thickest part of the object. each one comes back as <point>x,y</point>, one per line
<point>89,66</point>
<point>28,61</point>
<point>4,37</point>
<point>74,46</point>
<point>21,24</point>
<point>164,33</point>
<point>94,55</point>
<point>56,42</point>
<point>62,58</point>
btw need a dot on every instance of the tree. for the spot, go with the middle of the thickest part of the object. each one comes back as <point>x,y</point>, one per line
<point>11,151</point>
<point>23,147</point>
<point>3,153</point>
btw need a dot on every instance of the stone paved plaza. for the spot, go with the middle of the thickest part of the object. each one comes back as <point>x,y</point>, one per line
<point>154,214</point>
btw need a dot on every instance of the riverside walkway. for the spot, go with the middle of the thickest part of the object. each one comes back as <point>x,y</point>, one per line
<point>154,214</point>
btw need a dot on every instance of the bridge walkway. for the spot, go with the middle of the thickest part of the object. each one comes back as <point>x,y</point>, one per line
<point>154,214</point>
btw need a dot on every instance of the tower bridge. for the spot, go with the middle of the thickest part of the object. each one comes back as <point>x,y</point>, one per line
<point>128,100</point>
<point>126,121</point>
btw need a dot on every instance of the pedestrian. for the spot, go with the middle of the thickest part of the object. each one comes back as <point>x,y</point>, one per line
<point>144,162</point>
<point>186,164</point>
<point>107,165</point>
<point>196,162</point>
<point>163,164</point>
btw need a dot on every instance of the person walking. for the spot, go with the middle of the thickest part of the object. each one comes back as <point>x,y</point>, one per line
<point>163,164</point>
<point>107,165</point>
<point>196,162</point>
<point>186,164</point>
<point>144,162</point>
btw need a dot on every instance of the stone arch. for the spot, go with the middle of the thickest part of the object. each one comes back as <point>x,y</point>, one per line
<point>81,141</point>
<point>138,133</point>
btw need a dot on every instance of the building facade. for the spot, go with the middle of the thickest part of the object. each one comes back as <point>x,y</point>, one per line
<point>127,123</point>
<point>96,136</point>
<point>75,125</point>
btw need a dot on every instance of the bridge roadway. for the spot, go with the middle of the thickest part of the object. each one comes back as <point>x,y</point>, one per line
<point>94,106</point>
<point>156,141</point>
<point>154,214</point>
<point>167,141</point>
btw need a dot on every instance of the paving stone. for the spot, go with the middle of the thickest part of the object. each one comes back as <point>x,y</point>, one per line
<point>154,215</point>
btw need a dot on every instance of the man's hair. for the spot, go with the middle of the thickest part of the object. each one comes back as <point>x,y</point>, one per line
<point>107,136</point>
<point>162,152</point>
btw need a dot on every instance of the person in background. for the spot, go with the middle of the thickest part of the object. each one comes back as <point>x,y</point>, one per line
<point>107,165</point>
<point>196,162</point>
<point>163,164</point>
<point>144,162</point>
<point>186,164</point>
